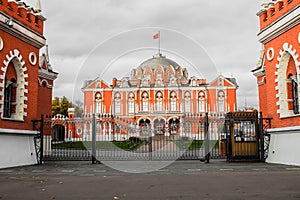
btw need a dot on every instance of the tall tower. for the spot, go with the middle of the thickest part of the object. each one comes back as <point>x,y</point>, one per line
<point>278,70</point>
<point>26,80</point>
<point>278,76</point>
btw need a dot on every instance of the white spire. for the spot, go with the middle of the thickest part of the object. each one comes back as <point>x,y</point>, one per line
<point>38,7</point>
<point>265,3</point>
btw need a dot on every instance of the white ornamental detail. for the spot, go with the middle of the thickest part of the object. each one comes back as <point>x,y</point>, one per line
<point>270,54</point>
<point>32,58</point>
<point>1,43</point>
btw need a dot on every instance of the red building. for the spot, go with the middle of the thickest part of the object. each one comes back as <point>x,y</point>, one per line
<point>278,76</point>
<point>26,77</point>
<point>159,95</point>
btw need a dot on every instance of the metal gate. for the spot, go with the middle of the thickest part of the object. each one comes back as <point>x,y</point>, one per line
<point>244,136</point>
<point>109,137</point>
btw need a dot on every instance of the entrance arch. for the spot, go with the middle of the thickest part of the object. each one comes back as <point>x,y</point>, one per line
<point>58,133</point>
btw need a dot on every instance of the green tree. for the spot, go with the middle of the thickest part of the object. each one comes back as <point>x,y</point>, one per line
<point>61,105</point>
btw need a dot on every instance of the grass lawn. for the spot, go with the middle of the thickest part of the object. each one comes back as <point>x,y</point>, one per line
<point>196,144</point>
<point>125,145</point>
<point>131,146</point>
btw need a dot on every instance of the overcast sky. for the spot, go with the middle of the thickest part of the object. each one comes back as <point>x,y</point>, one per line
<point>108,38</point>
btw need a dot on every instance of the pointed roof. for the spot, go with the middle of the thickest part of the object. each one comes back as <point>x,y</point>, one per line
<point>227,81</point>
<point>45,69</point>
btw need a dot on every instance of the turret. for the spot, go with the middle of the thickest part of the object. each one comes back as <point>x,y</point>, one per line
<point>26,15</point>
<point>272,10</point>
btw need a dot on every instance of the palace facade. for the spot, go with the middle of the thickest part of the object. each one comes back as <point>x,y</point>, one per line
<point>159,95</point>
<point>278,77</point>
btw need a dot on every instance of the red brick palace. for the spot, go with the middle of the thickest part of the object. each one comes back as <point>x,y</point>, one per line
<point>159,95</point>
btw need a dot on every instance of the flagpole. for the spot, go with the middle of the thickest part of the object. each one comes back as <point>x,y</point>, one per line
<point>159,43</point>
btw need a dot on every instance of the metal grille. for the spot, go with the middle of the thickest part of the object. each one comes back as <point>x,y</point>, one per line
<point>108,137</point>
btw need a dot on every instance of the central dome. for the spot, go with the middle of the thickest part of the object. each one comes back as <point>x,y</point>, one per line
<point>159,60</point>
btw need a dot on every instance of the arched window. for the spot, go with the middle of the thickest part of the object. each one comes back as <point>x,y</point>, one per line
<point>188,127</point>
<point>98,102</point>
<point>221,101</point>
<point>14,92</point>
<point>145,101</point>
<point>173,99</point>
<point>131,103</point>
<point>118,103</point>
<point>287,86</point>
<point>201,101</point>
<point>10,98</point>
<point>159,101</point>
<point>293,90</point>
<point>187,102</point>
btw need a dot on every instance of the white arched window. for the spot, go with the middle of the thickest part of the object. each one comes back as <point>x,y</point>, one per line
<point>159,101</point>
<point>201,101</point>
<point>187,102</point>
<point>287,86</point>
<point>118,103</point>
<point>188,127</point>
<point>131,103</point>
<point>173,100</point>
<point>221,101</point>
<point>13,95</point>
<point>98,102</point>
<point>145,102</point>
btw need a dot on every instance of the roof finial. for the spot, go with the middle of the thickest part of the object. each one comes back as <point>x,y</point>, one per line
<point>265,3</point>
<point>47,53</point>
<point>38,7</point>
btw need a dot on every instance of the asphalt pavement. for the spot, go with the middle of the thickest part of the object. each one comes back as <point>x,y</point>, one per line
<point>180,180</point>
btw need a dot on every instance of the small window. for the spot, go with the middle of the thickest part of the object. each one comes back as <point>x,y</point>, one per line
<point>159,101</point>
<point>295,94</point>
<point>145,101</point>
<point>173,99</point>
<point>187,102</point>
<point>131,103</point>
<point>201,101</point>
<point>98,99</point>
<point>117,128</point>
<point>118,103</point>
<point>244,131</point>
<point>188,127</point>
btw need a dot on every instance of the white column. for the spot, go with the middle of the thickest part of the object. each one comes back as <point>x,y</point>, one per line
<point>181,128</point>
<point>152,129</point>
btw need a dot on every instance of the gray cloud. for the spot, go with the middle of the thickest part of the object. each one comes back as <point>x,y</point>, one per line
<point>225,29</point>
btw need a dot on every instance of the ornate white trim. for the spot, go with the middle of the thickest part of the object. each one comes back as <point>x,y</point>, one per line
<point>280,81</point>
<point>1,44</point>
<point>22,32</point>
<point>32,58</point>
<point>299,38</point>
<point>41,81</point>
<point>280,26</point>
<point>17,59</point>
<point>262,81</point>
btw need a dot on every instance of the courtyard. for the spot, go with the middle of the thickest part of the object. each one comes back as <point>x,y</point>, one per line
<point>180,180</point>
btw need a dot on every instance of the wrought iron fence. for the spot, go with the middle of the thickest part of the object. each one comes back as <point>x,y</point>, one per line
<point>108,137</point>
